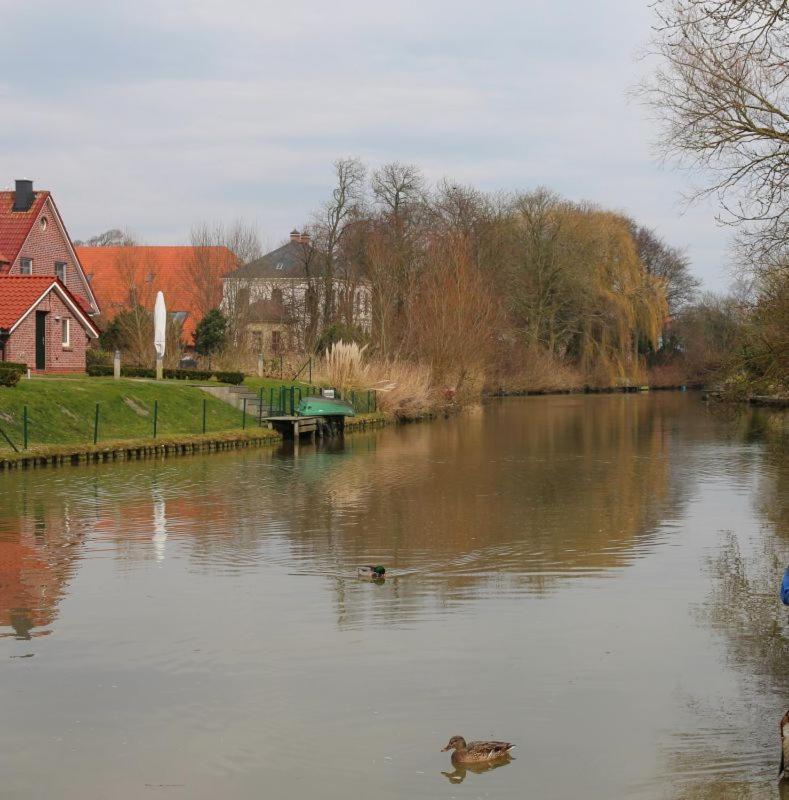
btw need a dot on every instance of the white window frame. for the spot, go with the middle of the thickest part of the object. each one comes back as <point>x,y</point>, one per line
<point>22,262</point>
<point>65,328</point>
<point>65,270</point>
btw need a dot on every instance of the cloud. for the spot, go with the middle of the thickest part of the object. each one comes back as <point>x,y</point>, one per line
<point>154,116</point>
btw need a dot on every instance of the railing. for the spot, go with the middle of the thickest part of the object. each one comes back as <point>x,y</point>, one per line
<point>280,401</point>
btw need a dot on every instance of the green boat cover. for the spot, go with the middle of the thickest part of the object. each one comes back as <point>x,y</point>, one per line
<point>324,407</point>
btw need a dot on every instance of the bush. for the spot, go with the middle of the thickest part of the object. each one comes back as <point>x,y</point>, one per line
<point>98,370</point>
<point>14,366</point>
<point>188,374</point>
<point>95,356</point>
<point>9,377</point>
<point>234,378</point>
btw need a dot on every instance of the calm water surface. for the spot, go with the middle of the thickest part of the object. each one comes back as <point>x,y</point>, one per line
<point>593,578</point>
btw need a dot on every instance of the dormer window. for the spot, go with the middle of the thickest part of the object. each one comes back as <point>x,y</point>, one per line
<point>280,265</point>
<point>25,266</point>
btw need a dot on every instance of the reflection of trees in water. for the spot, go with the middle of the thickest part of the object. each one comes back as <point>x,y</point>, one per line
<point>510,500</point>
<point>745,610</point>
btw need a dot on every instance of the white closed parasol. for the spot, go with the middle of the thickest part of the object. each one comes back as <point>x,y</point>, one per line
<point>159,325</point>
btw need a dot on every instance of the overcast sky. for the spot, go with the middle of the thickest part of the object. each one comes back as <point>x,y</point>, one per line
<point>153,115</point>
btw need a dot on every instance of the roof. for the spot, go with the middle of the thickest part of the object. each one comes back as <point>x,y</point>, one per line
<point>284,262</point>
<point>19,294</point>
<point>114,271</point>
<point>16,225</point>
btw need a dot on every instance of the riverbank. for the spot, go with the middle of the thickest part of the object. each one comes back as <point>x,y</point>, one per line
<point>164,447</point>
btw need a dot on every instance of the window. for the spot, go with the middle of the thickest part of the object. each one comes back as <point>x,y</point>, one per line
<point>25,266</point>
<point>178,316</point>
<point>65,332</point>
<point>42,223</point>
<point>276,296</point>
<point>280,265</point>
<point>60,270</point>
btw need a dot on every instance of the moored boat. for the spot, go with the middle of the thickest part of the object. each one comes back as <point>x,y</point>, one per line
<point>324,407</point>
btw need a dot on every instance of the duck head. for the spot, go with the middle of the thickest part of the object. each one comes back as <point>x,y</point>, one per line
<point>455,743</point>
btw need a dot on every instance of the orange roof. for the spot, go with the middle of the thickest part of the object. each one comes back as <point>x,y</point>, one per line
<point>19,293</point>
<point>15,226</point>
<point>189,277</point>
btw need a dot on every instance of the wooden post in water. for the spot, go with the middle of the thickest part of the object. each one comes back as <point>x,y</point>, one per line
<point>204,402</point>
<point>96,425</point>
<point>155,416</point>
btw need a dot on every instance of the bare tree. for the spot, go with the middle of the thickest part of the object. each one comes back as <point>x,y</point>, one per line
<point>668,263</point>
<point>722,98</point>
<point>216,251</point>
<point>343,207</point>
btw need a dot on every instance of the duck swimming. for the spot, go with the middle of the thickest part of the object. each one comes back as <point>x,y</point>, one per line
<point>476,752</point>
<point>372,572</point>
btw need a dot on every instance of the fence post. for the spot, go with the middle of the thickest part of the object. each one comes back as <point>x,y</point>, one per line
<point>310,380</point>
<point>271,400</point>
<point>96,425</point>
<point>24,428</point>
<point>281,366</point>
<point>155,416</point>
<point>244,414</point>
<point>204,402</point>
<point>292,400</point>
<point>353,399</point>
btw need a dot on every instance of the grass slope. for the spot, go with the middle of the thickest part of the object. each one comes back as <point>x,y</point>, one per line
<point>61,410</point>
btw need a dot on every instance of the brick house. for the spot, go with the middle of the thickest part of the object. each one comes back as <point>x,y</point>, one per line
<point>42,324</point>
<point>46,302</point>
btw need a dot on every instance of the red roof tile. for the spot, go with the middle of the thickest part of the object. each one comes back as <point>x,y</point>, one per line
<point>18,294</point>
<point>15,226</point>
<point>114,271</point>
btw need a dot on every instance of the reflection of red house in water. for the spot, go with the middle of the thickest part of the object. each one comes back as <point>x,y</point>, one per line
<point>46,302</point>
<point>31,584</point>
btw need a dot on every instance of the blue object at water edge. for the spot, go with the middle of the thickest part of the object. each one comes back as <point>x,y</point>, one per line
<point>785,588</point>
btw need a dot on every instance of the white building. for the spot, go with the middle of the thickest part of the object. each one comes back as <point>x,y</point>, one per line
<point>280,296</point>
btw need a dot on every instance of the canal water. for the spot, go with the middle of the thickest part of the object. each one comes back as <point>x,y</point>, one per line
<point>593,578</point>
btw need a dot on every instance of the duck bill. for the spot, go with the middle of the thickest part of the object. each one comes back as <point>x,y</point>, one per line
<point>444,749</point>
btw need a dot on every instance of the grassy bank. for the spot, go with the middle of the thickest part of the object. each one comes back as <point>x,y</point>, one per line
<point>61,410</point>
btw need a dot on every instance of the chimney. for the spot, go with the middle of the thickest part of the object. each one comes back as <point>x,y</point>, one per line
<point>23,195</point>
<point>295,236</point>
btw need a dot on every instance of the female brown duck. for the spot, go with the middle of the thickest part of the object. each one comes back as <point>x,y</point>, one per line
<point>476,752</point>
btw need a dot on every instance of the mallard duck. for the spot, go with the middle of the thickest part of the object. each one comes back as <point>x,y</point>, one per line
<point>783,728</point>
<point>372,572</point>
<point>476,752</point>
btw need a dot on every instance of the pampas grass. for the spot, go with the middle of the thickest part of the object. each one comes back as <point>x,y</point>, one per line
<point>402,389</point>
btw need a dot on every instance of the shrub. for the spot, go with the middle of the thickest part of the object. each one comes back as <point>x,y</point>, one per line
<point>98,370</point>
<point>14,366</point>
<point>188,374</point>
<point>95,356</point>
<point>9,377</point>
<point>234,378</point>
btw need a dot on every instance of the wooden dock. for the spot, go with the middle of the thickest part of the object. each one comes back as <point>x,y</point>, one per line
<point>291,427</point>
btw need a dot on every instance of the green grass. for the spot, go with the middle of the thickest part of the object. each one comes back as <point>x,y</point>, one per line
<point>61,410</point>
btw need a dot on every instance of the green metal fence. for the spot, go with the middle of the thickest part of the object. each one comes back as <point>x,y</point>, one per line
<point>19,433</point>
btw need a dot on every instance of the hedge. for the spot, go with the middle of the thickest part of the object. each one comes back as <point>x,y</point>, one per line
<point>14,366</point>
<point>234,378</point>
<point>102,370</point>
<point>9,377</point>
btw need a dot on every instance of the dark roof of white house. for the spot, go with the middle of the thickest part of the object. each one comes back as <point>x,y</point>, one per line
<point>284,262</point>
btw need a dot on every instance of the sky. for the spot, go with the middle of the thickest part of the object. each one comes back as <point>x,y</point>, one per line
<point>155,116</point>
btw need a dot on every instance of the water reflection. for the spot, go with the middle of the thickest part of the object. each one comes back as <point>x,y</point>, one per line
<point>568,547</point>
<point>460,771</point>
